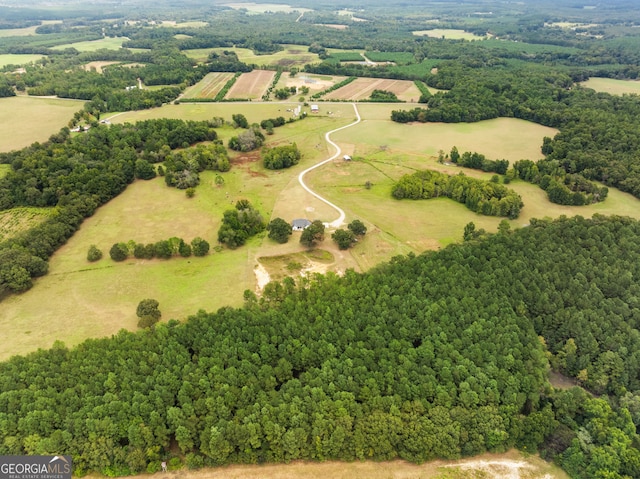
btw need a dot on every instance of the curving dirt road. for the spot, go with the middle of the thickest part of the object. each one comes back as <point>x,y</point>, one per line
<point>340,220</point>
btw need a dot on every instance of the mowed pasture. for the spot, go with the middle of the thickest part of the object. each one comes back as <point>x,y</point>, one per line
<point>361,89</point>
<point>108,43</point>
<point>18,59</point>
<point>612,86</point>
<point>33,119</point>
<point>209,86</point>
<point>251,85</point>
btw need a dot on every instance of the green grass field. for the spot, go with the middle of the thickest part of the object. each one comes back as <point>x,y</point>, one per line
<point>92,46</point>
<point>615,87</point>
<point>33,119</point>
<point>209,86</point>
<point>99,299</point>
<point>291,55</point>
<point>14,59</point>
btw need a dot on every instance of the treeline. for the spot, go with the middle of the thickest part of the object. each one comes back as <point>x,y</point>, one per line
<point>596,138</point>
<point>484,197</point>
<point>441,355</point>
<point>75,176</point>
<point>163,249</point>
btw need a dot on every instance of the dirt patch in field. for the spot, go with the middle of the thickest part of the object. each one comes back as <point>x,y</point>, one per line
<point>313,83</point>
<point>510,465</point>
<point>251,85</point>
<point>98,66</point>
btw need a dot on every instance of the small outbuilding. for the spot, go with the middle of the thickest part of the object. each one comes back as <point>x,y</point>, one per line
<point>346,158</point>
<point>315,108</point>
<point>300,224</point>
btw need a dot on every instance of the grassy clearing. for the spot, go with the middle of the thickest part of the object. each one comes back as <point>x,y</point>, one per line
<point>314,83</point>
<point>291,55</point>
<point>92,46</point>
<point>192,24</point>
<point>506,138</point>
<point>512,464</point>
<point>209,86</point>
<point>15,59</point>
<point>450,34</point>
<point>16,220</point>
<point>614,87</point>
<point>100,298</point>
<point>33,119</point>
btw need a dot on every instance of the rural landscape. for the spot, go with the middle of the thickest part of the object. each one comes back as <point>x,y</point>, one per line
<point>369,240</point>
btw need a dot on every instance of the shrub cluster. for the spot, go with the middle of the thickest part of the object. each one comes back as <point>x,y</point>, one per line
<point>480,196</point>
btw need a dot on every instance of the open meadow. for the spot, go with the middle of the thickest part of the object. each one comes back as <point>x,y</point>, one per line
<point>209,86</point>
<point>252,85</point>
<point>33,119</point>
<point>17,59</point>
<point>613,86</point>
<point>100,298</point>
<point>93,45</point>
<point>289,56</point>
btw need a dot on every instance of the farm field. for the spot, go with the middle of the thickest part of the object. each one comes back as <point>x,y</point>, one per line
<point>251,85</point>
<point>612,86</point>
<point>361,89</point>
<point>508,465</point>
<point>450,34</point>
<point>209,86</point>
<point>23,32</point>
<point>92,46</point>
<point>291,55</point>
<point>17,59</point>
<point>193,24</point>
<point>33,119</point>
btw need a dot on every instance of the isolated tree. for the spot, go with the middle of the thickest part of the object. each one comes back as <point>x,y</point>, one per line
<point>345,239</point>
<point>240,120</point>
<point>119,252</point>
<point>148,313</point>
<point>281,157</point>
<point>247,140</point>
<point>357,227</point>
<point>199,246</point>
<point>190,192</point>
<point>313,234</point>
<point>279,230</point>
<point>94,254</point>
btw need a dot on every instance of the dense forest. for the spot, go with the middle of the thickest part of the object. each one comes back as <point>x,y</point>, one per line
<point>441,355</point>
